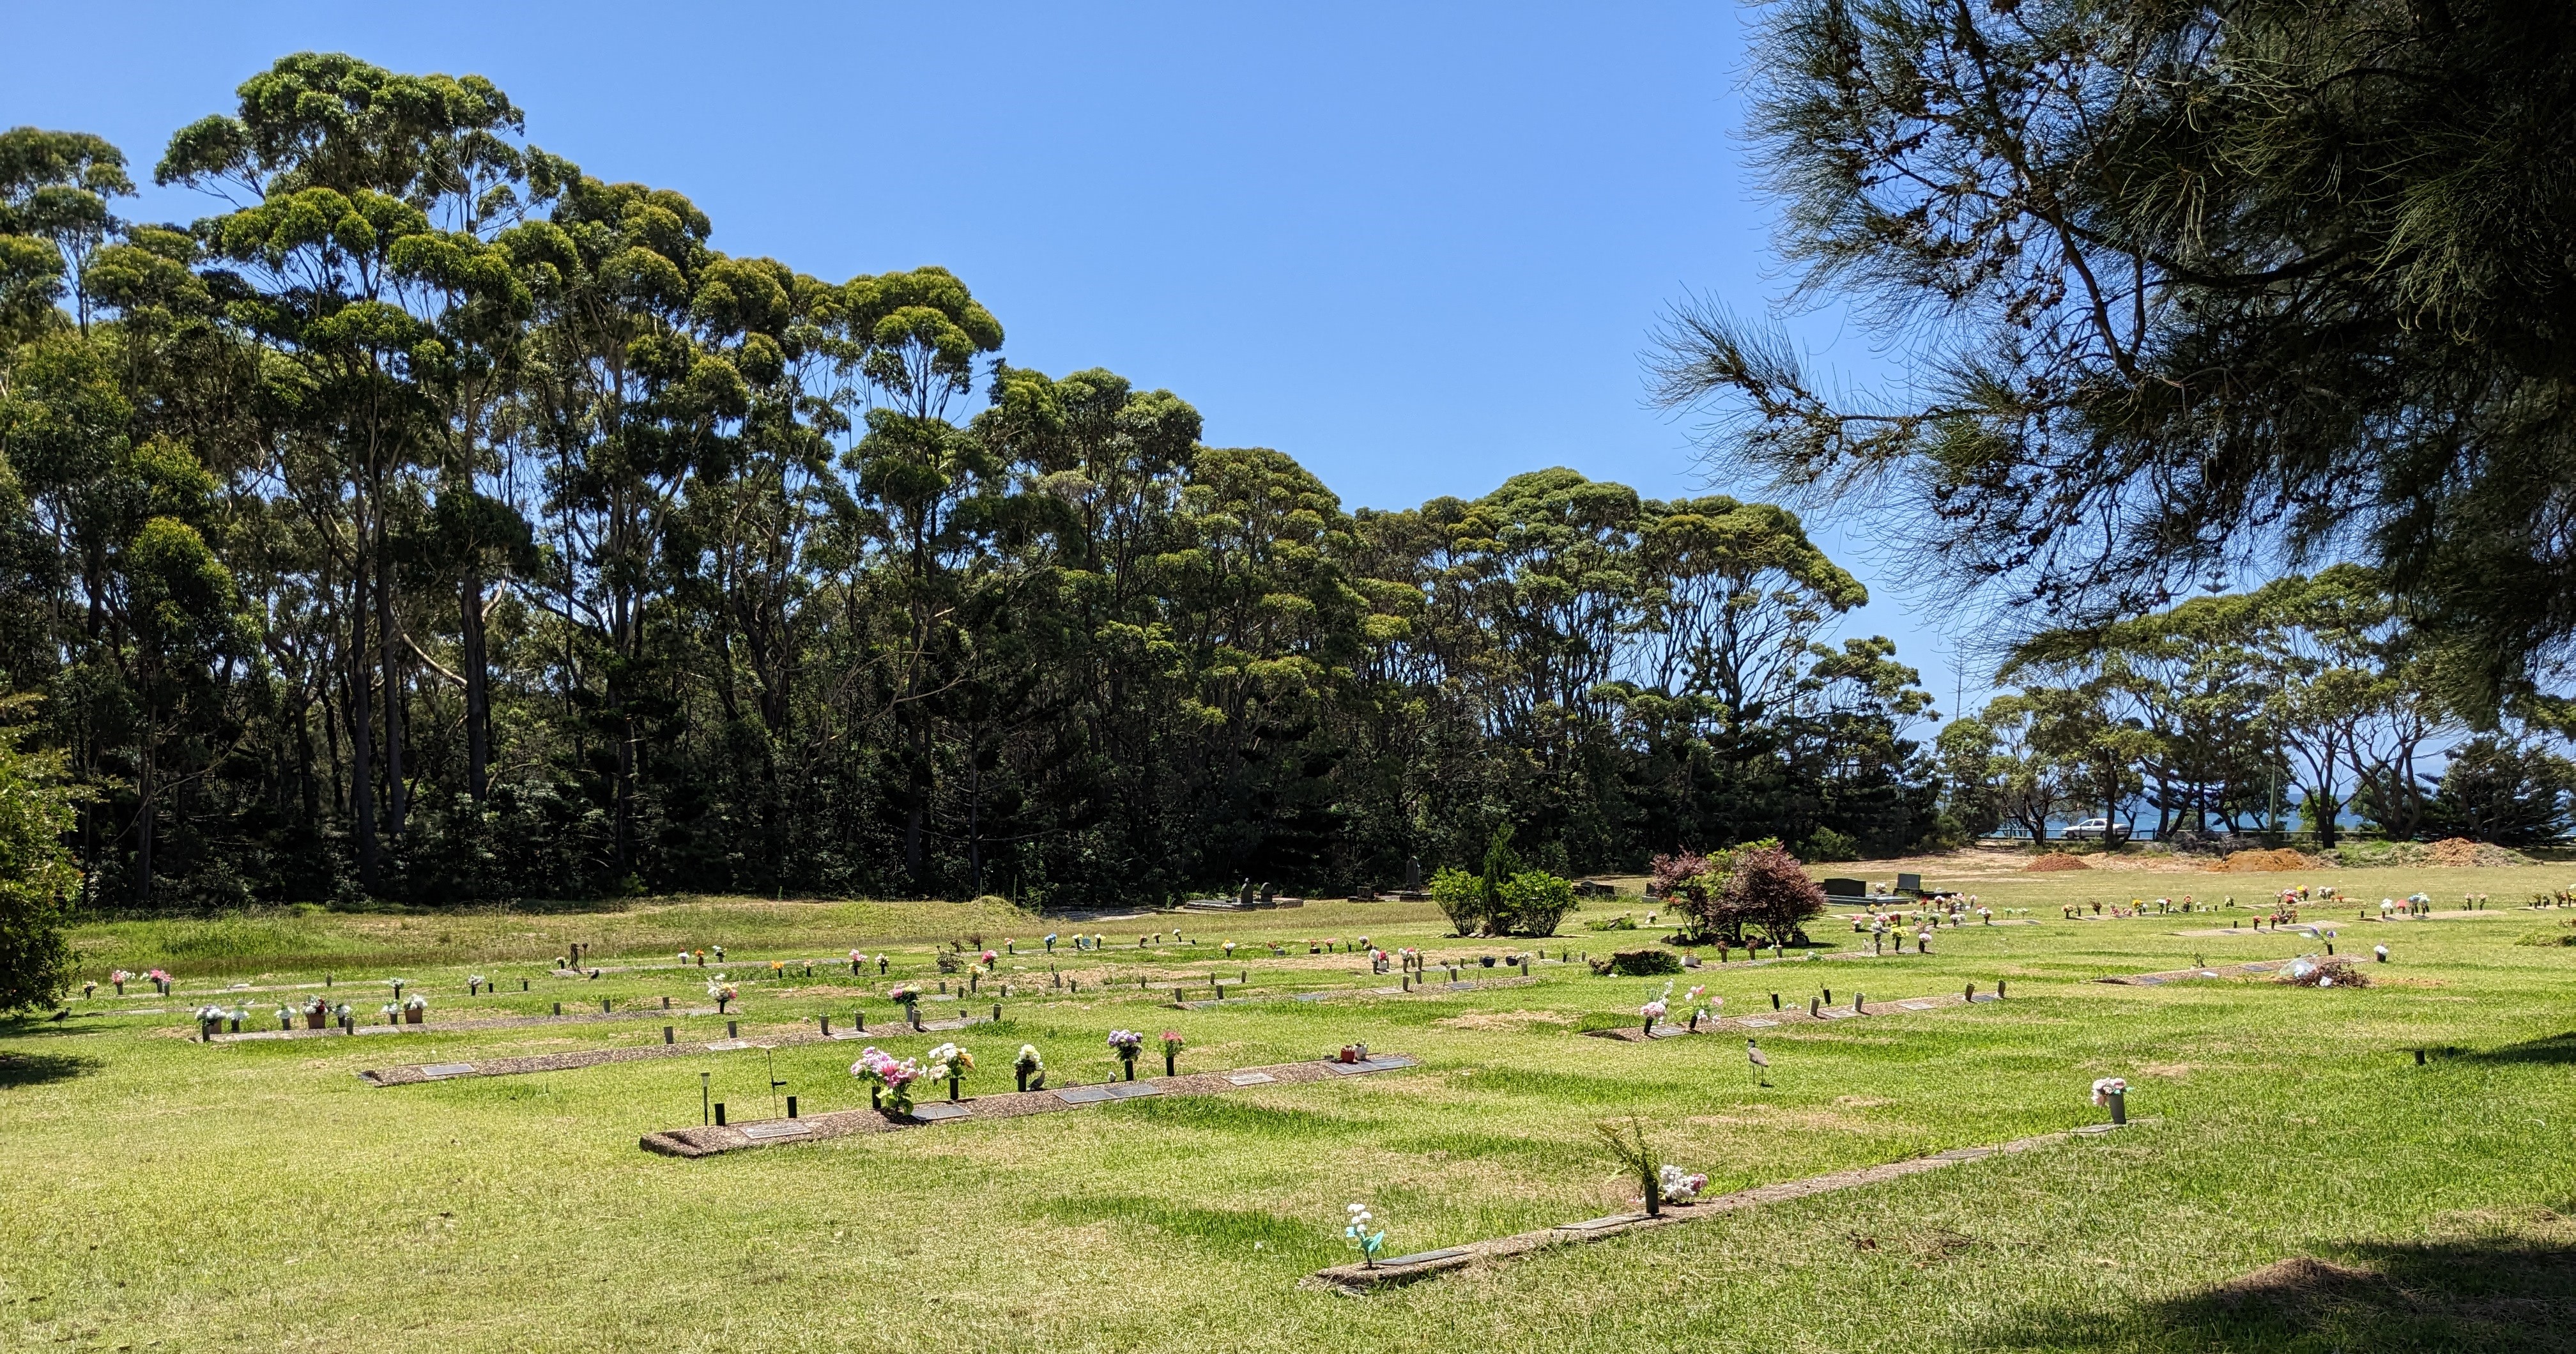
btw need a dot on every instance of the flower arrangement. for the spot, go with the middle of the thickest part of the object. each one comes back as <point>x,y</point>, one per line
<point>1701,1004</point>
<point>1627,1143</point>
<point>889,1079</point>
<point>2108,1087</point>
<point>343,1014</point>
<point>723,992</point>
<point>1680,1186</point>
<point>881,965</point>
<point>950,1064</point>
<point>684,957</point>
<point>1229,949</point>
<point>391,1011</point>
<point>1172,1042</point>
<point>416,1009</point>
<point>120,978</point>
<point>160,979</point>
<point>1357,1219</point>
<point>1050,942</point>
<point>475,983</point>
<point>1126,1044</point>
<point>988,958</point>
<point>1029,1065</point>
<point>208,1017</point>
<point>1655,1006</point>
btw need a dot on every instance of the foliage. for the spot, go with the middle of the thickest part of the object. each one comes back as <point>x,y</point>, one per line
<point>1640,963</point>
<point>1534,902</point>
<point>2494,792</point>
<point>2199,288</point>
<point>435,523</point>
<point>1766,887</point>
<point>1461,898</point>
<point>36,879</point>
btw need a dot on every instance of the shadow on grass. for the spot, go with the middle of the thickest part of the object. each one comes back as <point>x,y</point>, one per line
<point>2559,1049</point>
<point>2504,1293</point>
<point>36,1069</point>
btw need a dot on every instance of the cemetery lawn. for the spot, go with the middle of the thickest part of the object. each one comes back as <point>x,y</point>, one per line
<point>2302,1185</point>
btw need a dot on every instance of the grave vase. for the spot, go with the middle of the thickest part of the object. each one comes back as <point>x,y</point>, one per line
<point>413,1015</point>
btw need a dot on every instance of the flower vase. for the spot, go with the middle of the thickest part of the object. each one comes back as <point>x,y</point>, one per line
<point>720,1004</point>
<point>876,1097</point>
<point>120,989</point>
<point>1129,1061</point>
<point>314,1020</point>
<point>1023,1075</point>
<point>952,1090</point>
<point>413,1015</point>
<point>1169,1059</point>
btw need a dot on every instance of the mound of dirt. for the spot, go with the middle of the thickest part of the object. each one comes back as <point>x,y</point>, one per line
<point>2460,851</point>
<point>2056,860</point>
<point>2262,862</point>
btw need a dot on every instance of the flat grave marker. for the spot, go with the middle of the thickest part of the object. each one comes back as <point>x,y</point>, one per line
<point>1250,1078</point>
<point>437,1071</point>
<point>940,1109</point>
<point>788,1128</point>
<point>1085,1095</point>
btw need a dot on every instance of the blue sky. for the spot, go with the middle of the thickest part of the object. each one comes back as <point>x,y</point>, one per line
<point>1418,247</point>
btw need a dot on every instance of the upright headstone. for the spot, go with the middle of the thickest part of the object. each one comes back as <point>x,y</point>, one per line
<point>1413,874</point>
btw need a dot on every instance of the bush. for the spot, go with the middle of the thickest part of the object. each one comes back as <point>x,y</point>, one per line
<point>1640,964</point>
<point>1768,888</point>
<point>1534,901</point>
<point>1828,844</point>
<point>1460,897</point>
<point>1676,874</point>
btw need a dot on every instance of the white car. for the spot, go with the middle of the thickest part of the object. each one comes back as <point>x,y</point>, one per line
<point>2097,830</point>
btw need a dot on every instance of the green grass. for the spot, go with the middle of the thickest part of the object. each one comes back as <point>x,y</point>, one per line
<point>170,1195</point>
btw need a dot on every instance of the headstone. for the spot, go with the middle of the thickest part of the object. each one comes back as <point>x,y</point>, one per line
<point>1413,874</point>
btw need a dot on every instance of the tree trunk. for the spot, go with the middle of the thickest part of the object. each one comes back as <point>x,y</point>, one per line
<point>143,783</point>
<point>362,787</point>
<point>478,689</point>
<point>389,640</point>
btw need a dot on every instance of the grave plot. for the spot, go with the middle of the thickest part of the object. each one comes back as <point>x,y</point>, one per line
<point>2159,979</point>
<point>1861,1008</point>
<point>711,1140</point>
<point>1398,990</point>
<point>462,1026</point>
<point>576,1059</point>
<point>1358,1280</point>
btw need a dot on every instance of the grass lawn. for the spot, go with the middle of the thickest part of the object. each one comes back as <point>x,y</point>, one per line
<point>2306,1186</point>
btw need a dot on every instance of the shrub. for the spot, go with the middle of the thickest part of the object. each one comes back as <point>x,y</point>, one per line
<point>1460,897</point>
<point>1828,844</point>
<point>1767,888</point>
<point>1533,902</point>
<point>1640,964</point>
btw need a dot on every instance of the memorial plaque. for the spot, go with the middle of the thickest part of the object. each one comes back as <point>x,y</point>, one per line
<point>1667,1032</point>
<point>1757,1022</point>
<point>1835,1013</point>
<point>1130,1090</point>
<point>766,1132</point>
<point>1312,996</point>
<point>1251,1078</point>
<point>1598,1224</point>
<point>1423,1257</point>
<point>940,1109</point>
<point>1383,1062</point>
<point>1985,996</point>
<point>1085,1095</point>
<point>437,1070</point>
<point>728,1045</point>
<point>1916,1005</point>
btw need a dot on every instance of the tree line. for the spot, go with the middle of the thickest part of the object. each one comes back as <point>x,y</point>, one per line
<point>2307,700</point>
<point>433,521</point>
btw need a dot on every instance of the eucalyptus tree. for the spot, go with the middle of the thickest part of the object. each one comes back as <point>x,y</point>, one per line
<point>334,169</point>
<point>55,190</point>
<point>919,506</point>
